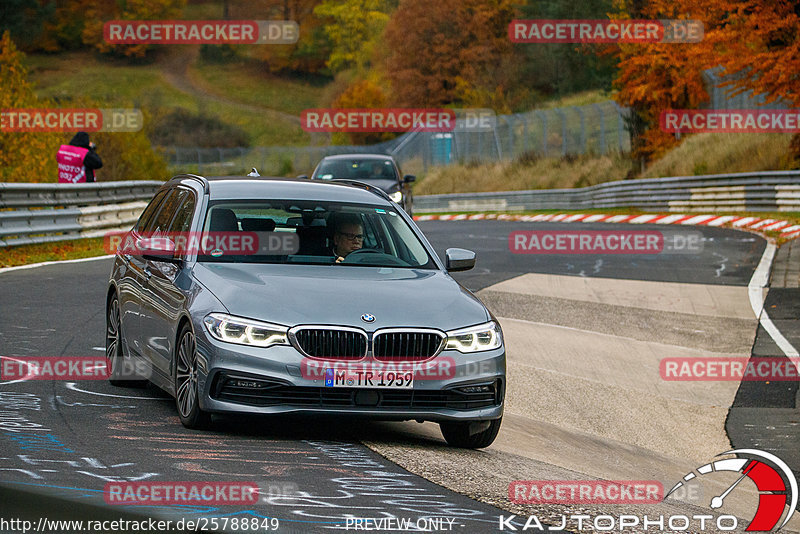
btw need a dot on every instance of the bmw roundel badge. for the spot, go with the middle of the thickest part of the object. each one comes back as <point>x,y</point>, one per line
<point>368,318</point>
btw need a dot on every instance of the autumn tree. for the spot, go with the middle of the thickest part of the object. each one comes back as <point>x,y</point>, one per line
<point>98,12</point>
<point>555,69</point>
<point>362,94</point>
<point>353,27</point>
<point>25,20</point>
<point>653,77</point>
<point>311,51</point>
<point>436,50</point>
<point>756,40</point>
<point>24,156</point>
<point>31,156</point>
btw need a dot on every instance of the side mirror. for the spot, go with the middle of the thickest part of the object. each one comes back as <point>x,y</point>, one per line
<point>408,178</point>
<point>459,259</point>
<point>157,249</point>
<point>304,176</point>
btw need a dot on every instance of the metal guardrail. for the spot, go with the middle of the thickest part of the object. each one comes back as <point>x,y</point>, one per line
<point>23,195</point>
<point>73,211</point>
<point>42,213</point>
<point>755,191</point>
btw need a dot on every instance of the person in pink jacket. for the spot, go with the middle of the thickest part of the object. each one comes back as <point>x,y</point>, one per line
<point>78,160</point>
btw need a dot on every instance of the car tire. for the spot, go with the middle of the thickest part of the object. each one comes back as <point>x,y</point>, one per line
<point>186,394</point>
<point>115,359</point>
<point>464,435</point>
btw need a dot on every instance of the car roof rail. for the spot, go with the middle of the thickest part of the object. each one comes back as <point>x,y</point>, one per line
<point>364,185</point>
<point>202,179</point>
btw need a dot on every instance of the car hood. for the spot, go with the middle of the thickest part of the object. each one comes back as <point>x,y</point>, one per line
<point>389,186</point>
<point>329,294</point>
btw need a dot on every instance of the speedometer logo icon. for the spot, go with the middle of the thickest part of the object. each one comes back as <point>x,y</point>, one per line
<point>776,484</point>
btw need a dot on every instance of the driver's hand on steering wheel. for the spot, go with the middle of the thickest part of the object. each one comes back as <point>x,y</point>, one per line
<point>340,259</point>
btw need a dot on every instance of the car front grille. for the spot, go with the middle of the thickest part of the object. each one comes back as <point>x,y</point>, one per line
<point>397,345</point>
<point>347,343</point>
<point>265,392</point>
<point>334,343</point>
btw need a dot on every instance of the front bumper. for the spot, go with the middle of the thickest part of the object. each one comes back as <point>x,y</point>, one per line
<point>241,379</point>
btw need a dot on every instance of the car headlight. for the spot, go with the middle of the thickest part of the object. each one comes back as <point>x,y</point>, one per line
<point>397,196</point>
<point>486,336</point>
<point>245,331</point>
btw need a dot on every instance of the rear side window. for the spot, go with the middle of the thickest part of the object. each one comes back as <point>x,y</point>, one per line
<point>150,211</point>
<point>183,218</point>
<point>160,224</point>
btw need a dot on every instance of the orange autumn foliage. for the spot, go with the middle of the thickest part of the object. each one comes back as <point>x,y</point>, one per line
<point>755,39</point>
<point>434,45</point>
<point>24,156</point>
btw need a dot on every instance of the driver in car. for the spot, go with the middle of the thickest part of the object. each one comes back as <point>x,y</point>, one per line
<point>348,236</point>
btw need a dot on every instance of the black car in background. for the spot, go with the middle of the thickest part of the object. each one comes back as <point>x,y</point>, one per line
<point>378,170</point>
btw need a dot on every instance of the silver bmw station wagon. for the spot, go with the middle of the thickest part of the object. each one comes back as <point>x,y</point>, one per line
<point>271,295</point>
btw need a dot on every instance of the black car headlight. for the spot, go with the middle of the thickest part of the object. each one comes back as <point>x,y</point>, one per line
<point>243,331</point>
<point>478,338</point>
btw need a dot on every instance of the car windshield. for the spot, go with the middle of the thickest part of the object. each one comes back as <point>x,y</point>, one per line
<point>360,169</point>
<point>311,232</point>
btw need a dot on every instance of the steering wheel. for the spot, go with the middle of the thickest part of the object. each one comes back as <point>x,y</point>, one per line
<point>364,251</point>
<point>360,256</point>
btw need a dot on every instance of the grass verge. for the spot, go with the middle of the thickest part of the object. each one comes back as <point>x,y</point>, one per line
<point>246,81</point>
<point>698,154</point>
<point>62,250</point>
<point>523,174</point>
<point>117,84</point>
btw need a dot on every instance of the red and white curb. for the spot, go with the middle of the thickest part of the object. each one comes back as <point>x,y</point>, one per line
<point>786,228</point>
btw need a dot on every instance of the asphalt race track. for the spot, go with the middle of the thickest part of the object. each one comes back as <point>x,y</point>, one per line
<point>313,472</point>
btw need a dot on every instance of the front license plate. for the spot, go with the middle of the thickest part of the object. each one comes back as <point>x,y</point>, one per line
<point>336,378</point>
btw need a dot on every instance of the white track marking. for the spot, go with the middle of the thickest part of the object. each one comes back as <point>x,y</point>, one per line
<point>23,379</point>
<point>33,265</point>
<point>755,291</point>
<point>73,387</point>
